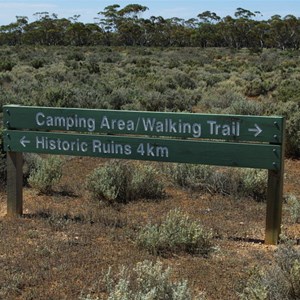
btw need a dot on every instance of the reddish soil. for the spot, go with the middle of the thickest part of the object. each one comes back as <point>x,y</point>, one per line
<point>65,242</point>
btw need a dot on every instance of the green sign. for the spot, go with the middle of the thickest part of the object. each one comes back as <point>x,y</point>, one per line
<point>167,150</point>
<point>184,125</point>
<point>223,140</point>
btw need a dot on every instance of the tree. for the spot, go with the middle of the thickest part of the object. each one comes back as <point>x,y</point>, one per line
<point>12,34</point>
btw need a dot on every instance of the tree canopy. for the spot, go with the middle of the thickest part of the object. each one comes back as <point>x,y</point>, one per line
<point>125,26</point>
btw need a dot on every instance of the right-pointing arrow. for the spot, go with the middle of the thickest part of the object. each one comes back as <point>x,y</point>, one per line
<point>257,130</point>
<point>23,141</point>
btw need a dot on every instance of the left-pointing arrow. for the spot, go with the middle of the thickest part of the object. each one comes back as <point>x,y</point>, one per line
<point>23,141</point>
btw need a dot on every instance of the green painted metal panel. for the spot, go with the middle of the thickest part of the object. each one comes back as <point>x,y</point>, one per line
<point>250,155</point>
<point>184,125</point>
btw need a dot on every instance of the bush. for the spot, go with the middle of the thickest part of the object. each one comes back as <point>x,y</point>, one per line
<point>30,165</point>
<point>291,111</point>
<point>289,90</point>
<point>38,63</point>
<point>254,183</point>
<point>175,234</point>
<point>46,175</point>
<point>6,65</point>
<point>294,208</point>
<point>146,280</point>
<point>245,107</point>
<point>255,88</point>
<point>194,177</point>
<point>225,181</point>
<point>121,181</point>
<point>279,282</point>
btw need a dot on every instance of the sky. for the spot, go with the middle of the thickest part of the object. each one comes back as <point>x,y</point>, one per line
<point>186,9</point>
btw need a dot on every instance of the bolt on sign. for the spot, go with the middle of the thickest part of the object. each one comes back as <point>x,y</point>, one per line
<point>222,140</point>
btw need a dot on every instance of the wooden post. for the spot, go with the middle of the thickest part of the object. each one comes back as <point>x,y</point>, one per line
<point>274,206</point>
<point>14,184</point>
<point>275,198</point>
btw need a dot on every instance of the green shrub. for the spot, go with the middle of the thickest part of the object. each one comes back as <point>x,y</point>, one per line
<point>5,78</point>
<point>294,208</point>
<point>38,63</point>
<point>175,234</point>
<point>31,162</point>
<point>184,80</point>
<point>147,280</point>
<point>278,282</point>
<point>76,55</point>
<point>255,88</point>
<point>289,90</point>
<point>220,99</point>
<point>194,177</point>
<point>6,65</point>
<point>291,111</point>
<point>47,174</point>
<point>225,181</point>
<point>254,183</point>
<point>93,65</point>
<point>122,181</point>
<point>246,107</point>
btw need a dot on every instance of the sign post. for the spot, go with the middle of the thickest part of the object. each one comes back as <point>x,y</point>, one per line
<point>14,184</point>
<point>223,140</point>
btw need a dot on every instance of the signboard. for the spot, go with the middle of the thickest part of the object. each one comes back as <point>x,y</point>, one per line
<point>224,140</point>
<point>154,149</point>
<point>183,125</point>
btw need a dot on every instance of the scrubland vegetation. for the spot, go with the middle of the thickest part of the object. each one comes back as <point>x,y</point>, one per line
<point>130,208</point>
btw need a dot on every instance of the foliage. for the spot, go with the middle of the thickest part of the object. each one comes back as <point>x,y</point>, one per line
<point>212,80</point>
<point>47,173</point>
<point>254,183</point>
<point>121,181</point>
<point>175,234</point>
<point>6,65</point>
<point>209,179</point>
<point>291,111</point>
<point>293,207</point>
<point>289,90</point>
<point>31,163</point>
<point>119,26</point>
<point>279,282</point>
<point>147,280</point>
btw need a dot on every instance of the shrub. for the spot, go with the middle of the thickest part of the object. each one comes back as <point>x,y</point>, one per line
<point>254,183</point>
<point>184,80</point>
<point>195,177</point>
<point>213,180</point>
<point>6,65</point>
<point>46,175</point>
<point>289,90</point>
<point>5,78</point>
<point>291,111</point>
<point>220,99</point>
<point>31,163</point>
<point>245,107</point>
<point>175,234</point>
<point>255,88</point>
<point>147,280</point>
<point>294,208</point>
<point>119,98</point>
<point>122,181</point>
<point>76,55</point>
<point>279,282</point>
<point>38,63</point>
